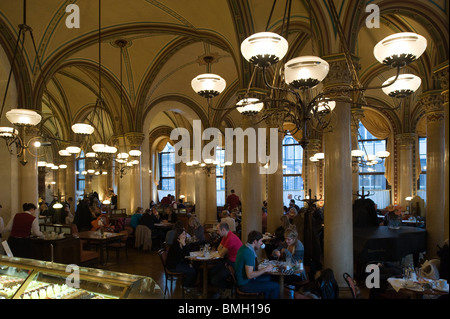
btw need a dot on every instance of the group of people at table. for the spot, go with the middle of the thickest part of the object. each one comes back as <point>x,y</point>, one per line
<point>241,256</point>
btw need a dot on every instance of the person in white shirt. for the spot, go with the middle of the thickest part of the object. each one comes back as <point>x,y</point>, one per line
<point>227,219</point>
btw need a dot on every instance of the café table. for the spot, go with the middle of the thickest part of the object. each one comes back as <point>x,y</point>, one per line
<point>417,289</point>
<point>100,240</point>
<point>197,256</point>
<point>280,270</point>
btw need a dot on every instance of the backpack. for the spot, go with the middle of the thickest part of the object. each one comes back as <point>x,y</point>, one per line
<point>327,287</point>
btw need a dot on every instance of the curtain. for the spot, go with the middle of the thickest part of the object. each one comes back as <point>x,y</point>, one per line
<point>379,127</point>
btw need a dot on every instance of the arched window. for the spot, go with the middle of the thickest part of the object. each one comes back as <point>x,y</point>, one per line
<point>81,178</point>
<point>220,181</point>
<point>372,177</point>
<point>292,170</point>
<point>422,182</point>
<point>167,171</point>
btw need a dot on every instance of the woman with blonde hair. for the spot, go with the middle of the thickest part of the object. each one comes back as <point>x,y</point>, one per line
<point>291,249</point>
<point>195,228</point>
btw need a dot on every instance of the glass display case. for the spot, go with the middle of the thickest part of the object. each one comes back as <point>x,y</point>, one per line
<point>22,278</point>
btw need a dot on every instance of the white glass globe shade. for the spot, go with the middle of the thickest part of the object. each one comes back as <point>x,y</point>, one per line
<point>90,154</point>
<point>41,163</point>
<point>99,148</point>
<point>208,85</point>
<point>64,153</point>
<point>23,117</point>
<point>324,106</point>
<point>82,128</point>
<point>405,85</point>
<point>91,171</point>
<point>319,156</point>
<point>313,159</point>
<point>122,155</point>
<point>357,153</point>
<point>400,48</point>
<point>57,205</point>
<point>383,154</point>
<point>73,149</point>
<point>110,149</point>
<point>135,153</point>
<point>249,106</point>
<point>264,48</point>
<point>63,166</point>
<point>305,71</point>
<point>6,131</point>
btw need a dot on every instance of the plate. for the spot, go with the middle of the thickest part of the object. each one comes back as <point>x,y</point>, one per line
<point>440,289</point>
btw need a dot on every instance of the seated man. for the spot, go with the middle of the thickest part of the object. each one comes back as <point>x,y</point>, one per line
<point>248,278</point>
<point>229,246</point>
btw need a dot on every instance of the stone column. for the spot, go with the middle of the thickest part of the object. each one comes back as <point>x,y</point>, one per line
<point>200,194</point>
<point>28,173</point>
<point>338,229</point>
<point>211,194</point>
<point>275,181</point>
<point>442,75</point>
<point>357,114</point>
<point>251,190</point>
<point>70,186</point>
<point>312,179</point>
<point>432,101</point>
<point>134,140</point>
<point>405,144</point>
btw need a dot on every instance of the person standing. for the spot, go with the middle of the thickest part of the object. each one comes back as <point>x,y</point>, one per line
<point>233,200</point>
<point>22,226</point>
<point>248,277</point>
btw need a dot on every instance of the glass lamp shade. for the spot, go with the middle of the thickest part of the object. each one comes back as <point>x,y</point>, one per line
<point>57,205</point>
<point>405,85</point>
<point>264,48</point>
<point>383,154</point>
<point>90,154</point>
<point>73,149</point>
<point>23,117</point>
<point>42,164</point>
<point>122,156</point>
<point>357,153</point>
<point>324,106</point>
<point>99,148</point>
<point>305,71</point>
<point>134,153</point>
<point>7,132</point>
<point>110,149</point>
<point>49,165</point>
<point>63,166</point>
<point>319,156</point>
<point>400,49</point>
<point>64,153</point>
<point>249,106</point>
<point>82,128</point>
<point>313,159</point>
<point>91,171</point>
<point>208,85</point>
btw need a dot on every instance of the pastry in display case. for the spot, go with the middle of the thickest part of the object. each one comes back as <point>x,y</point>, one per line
<point>22,278</point>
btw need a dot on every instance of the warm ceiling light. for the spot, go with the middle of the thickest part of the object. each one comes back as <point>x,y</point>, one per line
<point>122,155</point>
<point>64,153</point>
<point>405,85</point>
<point>357,153</point>
<point>319,156</point>
<point>208,85</point>
<point>73,149</point>
<point>41,163</point>
<point>99,148</point>
<point>90,154</point>
<point>23,117</point>
<point>324,106</point>
<point>383,154</point>
<point>249,106</point>
<point>135,153</point>
<point>264,48</point>
<point>400,49</point>
<point>305,71</point>
<point>82,128</point>
<point>7,131</point>
<point>63,166</point>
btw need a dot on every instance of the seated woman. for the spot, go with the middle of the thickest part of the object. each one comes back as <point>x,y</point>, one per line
<point>177,262</point>
<point>169,216</point>
<point>291,250</point>
<point>196,229</point>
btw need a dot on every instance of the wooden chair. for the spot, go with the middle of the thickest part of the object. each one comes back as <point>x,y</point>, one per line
<point>170,275</point>
<point>351,284</point>
<point>121,244</point>
<point>88,257</point>
<point>236,292</point>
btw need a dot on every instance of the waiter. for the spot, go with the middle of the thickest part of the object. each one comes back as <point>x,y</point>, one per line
<point>22,226</point>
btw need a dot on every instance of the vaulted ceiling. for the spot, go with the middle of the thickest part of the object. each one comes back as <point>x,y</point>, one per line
<point>166,41</point>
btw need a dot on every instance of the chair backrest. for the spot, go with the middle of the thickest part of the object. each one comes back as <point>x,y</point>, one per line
<point>351,284</point>
<point>231,270</point>
<point>163,256</point>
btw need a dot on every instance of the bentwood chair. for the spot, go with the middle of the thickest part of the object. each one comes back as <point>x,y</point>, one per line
<point>236,292</point>
<point>351,284</point>
<point>170,275</point>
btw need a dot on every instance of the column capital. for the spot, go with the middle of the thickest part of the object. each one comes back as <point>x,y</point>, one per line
<point>135,138</point>
<point>406,140</point>
<point>441,74</point>
<point>432,102</point>
<point>339,77</point>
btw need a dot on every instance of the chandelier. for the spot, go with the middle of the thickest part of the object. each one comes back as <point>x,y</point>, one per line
<point>124,160</point>
<point>21,118</point>
<point>99,159</point>
<point>292,101</point>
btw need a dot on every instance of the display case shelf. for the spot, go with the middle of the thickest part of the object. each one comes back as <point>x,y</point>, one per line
<point>22,278</point>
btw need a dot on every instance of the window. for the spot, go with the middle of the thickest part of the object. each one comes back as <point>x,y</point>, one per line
<point>372,177</point>
<point>220,181</point>
<point>81,178</point>
<point>292,170</point>
<point>422,183</point>
<point>167,171</point>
